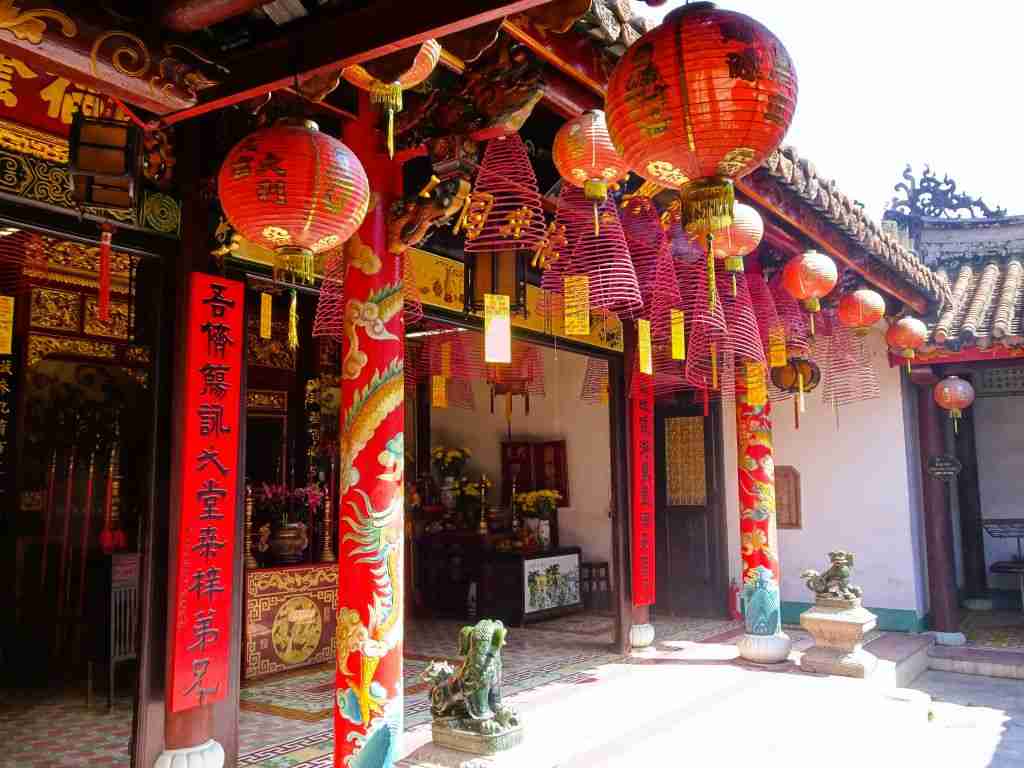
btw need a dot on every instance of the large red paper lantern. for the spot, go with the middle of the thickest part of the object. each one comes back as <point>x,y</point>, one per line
<point>906,336</point>
<point>699,101</point>
<point>585,157</point>
<point>292,189</point>
<point>954,395</point>
<point>861,309</point>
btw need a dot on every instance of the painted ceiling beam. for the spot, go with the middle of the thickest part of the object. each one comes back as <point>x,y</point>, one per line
<point>328,43</point>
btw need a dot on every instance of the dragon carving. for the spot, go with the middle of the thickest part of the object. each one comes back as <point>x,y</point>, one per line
<point>931,198</point>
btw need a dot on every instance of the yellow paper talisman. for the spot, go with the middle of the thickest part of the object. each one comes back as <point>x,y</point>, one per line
<point>777,348</point>
<point>6,324</point>
<point>497,329</point>
<point>757,385</point>
<point>643,341</point>
<point>677,325</point>
<point>446,359</point>
<point>438,392</point>
<point>577,305</point>
<point>266,314</point>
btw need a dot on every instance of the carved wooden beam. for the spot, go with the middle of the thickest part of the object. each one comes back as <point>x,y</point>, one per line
<point>186,16</point>
<point>330,42</point>
<point>157,77</point>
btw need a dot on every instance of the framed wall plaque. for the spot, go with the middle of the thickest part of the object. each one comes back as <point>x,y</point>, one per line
<point>787,497</point>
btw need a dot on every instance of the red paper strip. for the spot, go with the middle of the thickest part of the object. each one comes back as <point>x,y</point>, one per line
<point>642,421</point>
<point>202,586</point>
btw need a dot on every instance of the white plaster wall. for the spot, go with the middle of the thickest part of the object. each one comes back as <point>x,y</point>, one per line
<point>855,492</point>
<point>999,435</point>
<point>916,495</point>
<point>560,415</point>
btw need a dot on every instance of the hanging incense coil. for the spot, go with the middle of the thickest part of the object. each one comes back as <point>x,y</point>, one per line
<point>743,337</point>
<point>595,382</point>
<point>605,260</point>
<point>329,319</point>
<point>572,219</point>
<point>847,372</point>
<point>769,325</point>
<point>504,210</point>
<point>652,261</point>
<point>17,248</point>
<point>706,329</point>
<point>793,317</point>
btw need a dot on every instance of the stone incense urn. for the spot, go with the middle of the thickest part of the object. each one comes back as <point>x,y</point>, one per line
<point>837,621</point>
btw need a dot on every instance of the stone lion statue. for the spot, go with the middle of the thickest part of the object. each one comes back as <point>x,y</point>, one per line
<point>833,584</point>
<point>470,698</point>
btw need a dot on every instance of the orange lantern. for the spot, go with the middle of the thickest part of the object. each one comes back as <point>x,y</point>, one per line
<point>861,309</point>
<point>809,277</point>
<point>293,190</point>
<point>700,101</point>
<point>585,157</point>
<point>734,241</point>
<point>954,395</point>
<point>905,336</point>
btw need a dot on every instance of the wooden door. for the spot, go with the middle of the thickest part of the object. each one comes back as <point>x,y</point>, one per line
<point>690,546</point>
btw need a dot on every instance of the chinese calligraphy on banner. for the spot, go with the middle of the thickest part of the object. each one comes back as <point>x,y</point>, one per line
<point>208,484</point>
<point>641,406</point>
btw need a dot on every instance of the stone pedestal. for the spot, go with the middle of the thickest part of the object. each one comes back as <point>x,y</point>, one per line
<point>450,735</point>
<point>838,628</point>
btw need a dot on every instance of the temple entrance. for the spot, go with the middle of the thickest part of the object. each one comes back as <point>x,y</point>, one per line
<point>690,547</point>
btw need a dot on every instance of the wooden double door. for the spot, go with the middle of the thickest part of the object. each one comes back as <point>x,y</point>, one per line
<point>690,539</point>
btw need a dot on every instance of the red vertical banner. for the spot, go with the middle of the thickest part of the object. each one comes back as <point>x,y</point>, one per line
<point>202,586</point>
<point>641,406</point>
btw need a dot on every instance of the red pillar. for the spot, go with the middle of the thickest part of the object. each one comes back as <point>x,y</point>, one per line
<point>368,677</point>
<point>938,521</point>
<point>764,640</point>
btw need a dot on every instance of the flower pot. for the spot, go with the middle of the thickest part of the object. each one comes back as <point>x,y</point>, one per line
<point>288,543</point>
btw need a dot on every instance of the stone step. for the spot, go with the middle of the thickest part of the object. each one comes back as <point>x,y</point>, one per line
<point>977,661</point>
<point>901,657</point>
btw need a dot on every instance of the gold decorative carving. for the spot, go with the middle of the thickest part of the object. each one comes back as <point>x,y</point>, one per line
<point>272,352</point>
<point>40,347</point>
<point>30,25</point>
<point>116,327</point>
<point>141,375</point>
<point>137,354</point>
<point>272,581</point>
<point>56,310</point>
<point>297,630</point>
<point>685,481</point>
<point>29,141</point>
<point>267,400</point>
<point>161,212</point>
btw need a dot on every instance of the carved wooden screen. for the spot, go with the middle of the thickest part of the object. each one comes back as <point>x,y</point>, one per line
<point>787,497</point>
<point>685,482</point>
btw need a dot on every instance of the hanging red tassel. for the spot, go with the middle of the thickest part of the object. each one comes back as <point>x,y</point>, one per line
<point>104,300</point>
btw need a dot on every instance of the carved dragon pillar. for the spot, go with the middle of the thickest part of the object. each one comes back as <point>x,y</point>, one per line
<point>764,640</point>
<point>368,676</point>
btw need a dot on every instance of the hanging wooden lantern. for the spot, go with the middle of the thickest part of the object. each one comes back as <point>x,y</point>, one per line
<point>293,190</point>
<point>861,309</point>
<point>496,272</point>
<point>388,96</point>
<point>700,101</point>
<point>954,395</point>
<point>809,277</point>
<point>105,160</point>
<point>906,336</point>
<point>798,376</point>
<point>585,157</point>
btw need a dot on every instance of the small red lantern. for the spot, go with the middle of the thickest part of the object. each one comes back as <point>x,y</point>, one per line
<point>954,395</point>
<point>699,101</point>
<point>585,157</point>
<point>905,336</point>
<point>861,309</point>
<point>809,277</point>
<point>293,190</point>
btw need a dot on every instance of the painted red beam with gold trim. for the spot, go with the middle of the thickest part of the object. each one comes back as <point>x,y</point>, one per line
<point>82,47</point>
<point>331,42</point>
<point>184,16</point>
<point>803,219</point>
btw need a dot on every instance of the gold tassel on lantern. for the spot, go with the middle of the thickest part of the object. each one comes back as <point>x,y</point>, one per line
<point>293,321</point>
<point>388,96</point>
<point>707,205</point>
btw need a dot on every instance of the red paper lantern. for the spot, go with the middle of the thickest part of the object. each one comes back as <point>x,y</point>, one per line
<point>861,309</point>
<point>585,157</point>
<point>809,277</point>
<point>294,190</point>
<point>699,101</point>
<point>954,395</point>
<point>906,335</point>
